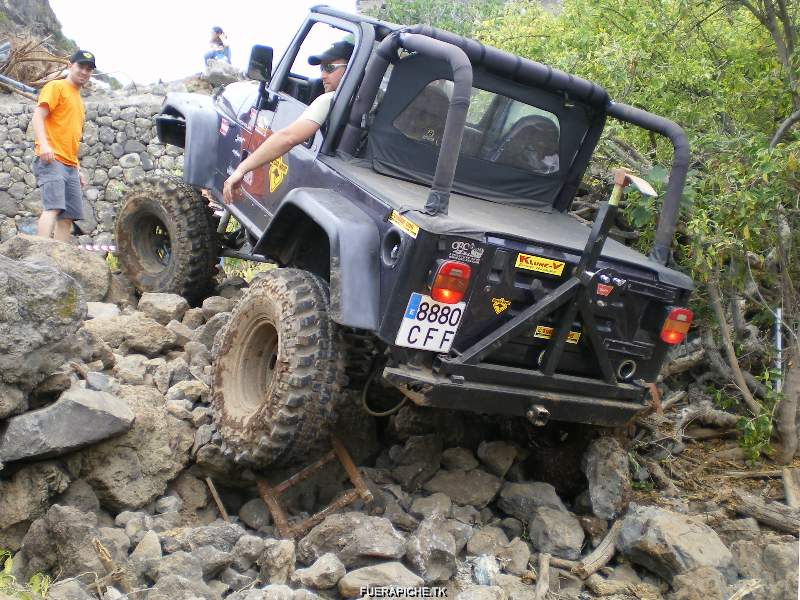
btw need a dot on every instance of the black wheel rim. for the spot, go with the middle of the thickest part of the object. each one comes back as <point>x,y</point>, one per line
<point>152,243</point>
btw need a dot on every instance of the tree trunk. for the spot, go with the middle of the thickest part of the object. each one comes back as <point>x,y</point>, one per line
<point>786,415</point>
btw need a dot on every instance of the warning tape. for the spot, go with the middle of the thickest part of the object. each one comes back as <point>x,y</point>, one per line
<point>100,248</point>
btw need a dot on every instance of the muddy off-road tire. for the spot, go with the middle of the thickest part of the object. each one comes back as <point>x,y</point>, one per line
<point>278,371</point>
<point>167,240</point>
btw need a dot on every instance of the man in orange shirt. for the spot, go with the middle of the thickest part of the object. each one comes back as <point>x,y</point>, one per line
<point>57,129</point>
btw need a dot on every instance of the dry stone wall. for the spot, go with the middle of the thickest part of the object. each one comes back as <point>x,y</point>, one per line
<point>119,147</point>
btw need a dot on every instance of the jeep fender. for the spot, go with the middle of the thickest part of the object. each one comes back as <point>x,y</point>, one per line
<point>190,122</point>
<point>354,251</point>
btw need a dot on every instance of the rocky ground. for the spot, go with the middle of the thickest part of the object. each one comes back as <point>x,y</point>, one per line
<point>108,444</point>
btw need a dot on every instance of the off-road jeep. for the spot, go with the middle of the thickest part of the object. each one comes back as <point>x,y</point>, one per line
<point>422,239</point>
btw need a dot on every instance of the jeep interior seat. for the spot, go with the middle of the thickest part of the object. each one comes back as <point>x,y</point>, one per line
<point>424,118</point>
<point>531,145</point>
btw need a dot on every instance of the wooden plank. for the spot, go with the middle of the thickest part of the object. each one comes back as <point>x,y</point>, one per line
<point>791,485</point>
<point>775,514</point>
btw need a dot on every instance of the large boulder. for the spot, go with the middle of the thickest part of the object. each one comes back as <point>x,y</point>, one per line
<point>521,499</point>
<point>220,72</point>
<point>669,543</point>
<point>606,467</point>
<point>133,469</point>
<point>41,308</point>
<point>163,307</point>
<point>133,333</point>
<point>78,418</point>
<point>87,268</point>
<point>386,574</point>
<point>25,497</point>
<point>556,532</point>
<point>354,538</point>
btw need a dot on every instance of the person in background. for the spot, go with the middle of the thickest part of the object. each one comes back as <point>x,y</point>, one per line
<point>57,128</point>
<point>332,63</point>
<point>220,50</point>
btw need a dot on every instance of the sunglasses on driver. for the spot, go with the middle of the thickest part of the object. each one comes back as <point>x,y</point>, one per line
<point>331,67</point>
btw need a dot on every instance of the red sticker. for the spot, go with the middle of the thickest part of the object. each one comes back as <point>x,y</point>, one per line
<point>223,127</point>
<point>604,290</point>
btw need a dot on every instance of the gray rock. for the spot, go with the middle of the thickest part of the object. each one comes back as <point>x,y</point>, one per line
<point>385,574</point>
<point>205,334</point>
<point>133,469</point>
<point>497,457</point>
<point>703,583</point>
<point>247,550</point>
<point>62,541</point>
<point>79,495</point>
<point>176,587</point>
<point>324,574</point>
<point>482,592</point>
<point>475,487</point>
<point>149,548</point>
<point>213,561</point>
<point>131,369</point>
<point>87,268</point>
<point>277,561</point>
<point>167,504</point>
<point>147,336</point>
<point>461,533</point>
<point>487,540</point>
<point>41,309</point>
<point>182,333</point>
<point>670,544</point>
<point>432,550</point>
<point>235,580</point>
<point>219,73</point>
<point>514,527</point>
<point>163,307</point>
<point>13,401</point>
<point>255,514</point>
<point>418,449</point>
<point>223,536</point>
<point>71,589</point>
<point>129,161</point>
<point>514,557</point>
<point>606,466</point>
<point>182,564</point>
<point>427,506</point>
<point>24,497</point>
<point>485,570</point>
<point>79,418</point>
<point>354,538</point>
<point>521,499</point>
<point>556,532</point>
<point>459,459</point>
<point>214,305</point>
<point>515,588</point>
<point>412,476</point>
<point>101,309</point>
<point>116,542</point>
<point>193,318</point>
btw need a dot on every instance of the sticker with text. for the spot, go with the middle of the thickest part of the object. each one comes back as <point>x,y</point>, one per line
<point>541,264</point>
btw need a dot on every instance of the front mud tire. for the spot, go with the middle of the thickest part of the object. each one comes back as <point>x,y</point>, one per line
<point>167,239</point>
<point>278,371</point>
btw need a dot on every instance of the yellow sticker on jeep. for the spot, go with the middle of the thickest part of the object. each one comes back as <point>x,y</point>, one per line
<point>277,172</point>
<point>540,264</point>
<point>544,332</point>
<point>405,224</point>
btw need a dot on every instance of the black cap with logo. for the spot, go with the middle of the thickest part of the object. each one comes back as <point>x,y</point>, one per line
<point>83,57</point>
<point>342,50</point>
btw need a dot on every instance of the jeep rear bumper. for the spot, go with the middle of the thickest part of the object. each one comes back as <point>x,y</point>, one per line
<point>479,390</point>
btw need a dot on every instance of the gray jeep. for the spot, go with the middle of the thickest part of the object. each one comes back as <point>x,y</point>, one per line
<point>421,239</point>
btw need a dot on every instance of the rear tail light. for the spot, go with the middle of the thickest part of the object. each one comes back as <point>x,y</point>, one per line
<point>450,282</point>
<point>676,325</point>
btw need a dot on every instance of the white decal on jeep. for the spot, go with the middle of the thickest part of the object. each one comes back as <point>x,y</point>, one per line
<point>466,251</point>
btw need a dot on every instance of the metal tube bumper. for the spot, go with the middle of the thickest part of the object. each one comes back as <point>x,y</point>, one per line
<point>426,388</point>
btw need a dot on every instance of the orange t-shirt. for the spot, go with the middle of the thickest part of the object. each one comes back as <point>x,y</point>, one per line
<point>64,123</point>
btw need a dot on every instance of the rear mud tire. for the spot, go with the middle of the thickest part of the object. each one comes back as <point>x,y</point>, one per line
<point>278,371</point>
<point>167,239</point>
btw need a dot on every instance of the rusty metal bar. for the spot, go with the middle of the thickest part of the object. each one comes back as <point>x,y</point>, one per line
<point>271,495</point>
<point>305,473</point>
<point>271,500</point>
<point>352,471</point>
<point>346,498</point>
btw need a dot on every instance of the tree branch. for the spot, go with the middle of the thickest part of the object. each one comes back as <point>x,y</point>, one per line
<point>783,128</point>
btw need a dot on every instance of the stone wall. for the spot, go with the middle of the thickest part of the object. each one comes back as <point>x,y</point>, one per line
<point>119,147</point>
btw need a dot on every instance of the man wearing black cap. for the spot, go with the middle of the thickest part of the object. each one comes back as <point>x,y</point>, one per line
<point>332,63</point>
<point>57,128</point>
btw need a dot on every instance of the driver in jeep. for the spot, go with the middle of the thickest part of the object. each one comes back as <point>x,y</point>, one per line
<point>332,63</point>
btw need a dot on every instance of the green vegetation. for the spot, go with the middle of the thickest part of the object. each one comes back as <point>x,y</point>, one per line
<point>36,588</point>
<point>727,72</point>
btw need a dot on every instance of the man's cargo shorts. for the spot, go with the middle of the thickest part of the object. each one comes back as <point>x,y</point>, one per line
<point>61,188</point>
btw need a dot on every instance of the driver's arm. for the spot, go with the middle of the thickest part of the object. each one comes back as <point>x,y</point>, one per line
<point>278,144</point>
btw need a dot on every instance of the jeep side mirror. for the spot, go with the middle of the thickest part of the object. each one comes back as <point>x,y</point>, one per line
<point>260,65</point>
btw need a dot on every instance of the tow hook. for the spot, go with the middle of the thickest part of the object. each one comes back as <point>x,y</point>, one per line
<point>538,415</point>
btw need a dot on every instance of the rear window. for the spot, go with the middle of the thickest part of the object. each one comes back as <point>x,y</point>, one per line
<point>499,129</point>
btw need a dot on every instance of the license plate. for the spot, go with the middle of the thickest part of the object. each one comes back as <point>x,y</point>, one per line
<point>428,324</point>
